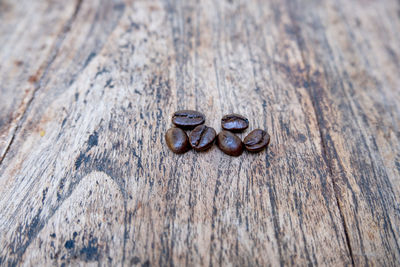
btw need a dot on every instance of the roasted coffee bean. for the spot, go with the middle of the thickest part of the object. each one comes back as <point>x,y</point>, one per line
<point>229,143</point>
<point>202,137</point>
<point>256,140</point>
<point>177,140</point>
<point>234,122</point>
<point>188,118</point>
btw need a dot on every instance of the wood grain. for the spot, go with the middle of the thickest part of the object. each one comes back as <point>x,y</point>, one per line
<point>85,175</point>
<point>28,48</point>
<point>356,100</point>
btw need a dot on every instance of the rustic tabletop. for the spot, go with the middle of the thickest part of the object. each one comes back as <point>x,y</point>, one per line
<point>88,88</point>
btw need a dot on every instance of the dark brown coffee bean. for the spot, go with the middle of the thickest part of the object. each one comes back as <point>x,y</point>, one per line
<point>202,137</point>
<point>256,140</point>
<point>229,143</point>
<point>177,140</point>
<point>188,118</point>
<point>234,122</point>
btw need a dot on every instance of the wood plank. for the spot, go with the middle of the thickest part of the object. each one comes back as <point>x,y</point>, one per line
<point>88,178</point>
<point>351,51</point>
<point>104,142</point>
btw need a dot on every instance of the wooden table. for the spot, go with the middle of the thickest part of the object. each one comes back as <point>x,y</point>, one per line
<point>87,93</point>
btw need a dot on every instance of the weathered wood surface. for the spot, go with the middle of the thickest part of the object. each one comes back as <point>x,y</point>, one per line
<point>87,91</point>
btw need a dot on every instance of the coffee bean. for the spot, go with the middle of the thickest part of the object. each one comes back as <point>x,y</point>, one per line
<point>234,122</point>
<point>256,140</point>
<point>229,143</point>
<point>202,137</point>
<point>188,118</point>
<point>177,140</point>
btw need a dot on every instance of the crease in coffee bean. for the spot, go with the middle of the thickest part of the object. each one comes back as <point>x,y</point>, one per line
<point>232,119</point>
<point>254,142</point>
<point>188,116</point>
<point>198,139</point>
<point>202,137</point>
<point>203,132</point>
<point>234,122</point>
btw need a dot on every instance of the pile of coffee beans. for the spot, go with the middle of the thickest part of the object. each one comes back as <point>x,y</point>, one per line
<point>202,137</point>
